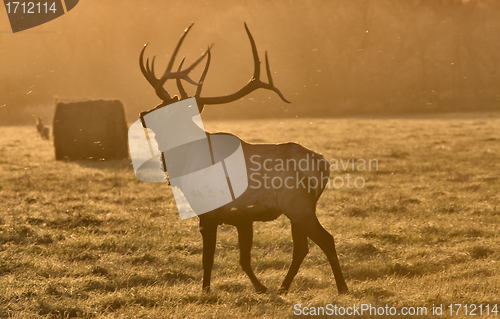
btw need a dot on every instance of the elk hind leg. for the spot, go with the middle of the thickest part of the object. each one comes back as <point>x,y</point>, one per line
<point>245,239</point>
<point>325,241</point>
<point>300,250</point>
<point>311,227</point>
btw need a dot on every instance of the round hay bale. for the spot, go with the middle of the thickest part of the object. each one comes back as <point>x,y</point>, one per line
<point>90,130</point>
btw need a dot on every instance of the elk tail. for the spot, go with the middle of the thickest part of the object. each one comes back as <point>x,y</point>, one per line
<point>324,170</point>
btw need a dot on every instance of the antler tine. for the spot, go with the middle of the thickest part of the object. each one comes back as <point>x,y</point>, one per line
<point>141,65</point>
<point>184,74</point>
<point>268,71</point>
<point>270,79</point>
<point>180,74</point>
<point>195,63</point>
<point>182,92</point>
<point>150,77</point>
<point>172,59</point>
<point>204,74</point>
<point>282,97</point>
<point>168,74</point>
<point>147,67</point>
<point>153,66</point>
<point>255,54</point>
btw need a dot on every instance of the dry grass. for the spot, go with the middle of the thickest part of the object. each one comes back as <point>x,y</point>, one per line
<point>86,239</point>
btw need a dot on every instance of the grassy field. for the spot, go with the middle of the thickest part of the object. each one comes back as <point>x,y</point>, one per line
<point>87,239</point>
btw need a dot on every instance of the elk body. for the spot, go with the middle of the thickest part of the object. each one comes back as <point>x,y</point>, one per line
<point>294,199</point>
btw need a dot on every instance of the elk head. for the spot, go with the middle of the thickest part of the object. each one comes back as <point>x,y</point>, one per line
<point>183,74</point>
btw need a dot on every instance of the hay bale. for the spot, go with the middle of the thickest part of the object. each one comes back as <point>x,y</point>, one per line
<point>90,130</point>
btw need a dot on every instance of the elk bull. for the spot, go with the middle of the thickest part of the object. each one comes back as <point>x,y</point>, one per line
<point>257,203</point>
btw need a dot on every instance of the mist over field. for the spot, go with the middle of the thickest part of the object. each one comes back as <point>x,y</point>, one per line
<point>329,58</point>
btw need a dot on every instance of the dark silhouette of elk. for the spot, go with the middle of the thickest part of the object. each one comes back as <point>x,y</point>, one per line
<point>42,130</point>
<point>256,203</point>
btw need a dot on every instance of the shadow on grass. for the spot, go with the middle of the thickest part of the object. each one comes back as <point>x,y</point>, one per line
<point>407,270</point>
<point>478,252</point>
<point>59,311</point>
<point>112,283</point>
<point>233,287</point>
<point>303,283</point>
<point>114,303</point>
<point>24,234</point>
<point>107,165</point>
<point>375,292</point>
<point>201,299</point>
<point>385,237</point>
<point>361,250</point>
<point>272,264</point>
<point>74,221</point>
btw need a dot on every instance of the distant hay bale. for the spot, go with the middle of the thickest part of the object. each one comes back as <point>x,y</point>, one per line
<point>90,130</point>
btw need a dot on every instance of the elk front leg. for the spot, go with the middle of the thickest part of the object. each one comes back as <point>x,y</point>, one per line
<point>209,234</point>
<point>300,250</point>
<point>245,239</point>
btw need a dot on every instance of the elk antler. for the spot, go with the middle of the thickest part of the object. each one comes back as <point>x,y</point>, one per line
<point>157,84</point>
<point>254,83</point>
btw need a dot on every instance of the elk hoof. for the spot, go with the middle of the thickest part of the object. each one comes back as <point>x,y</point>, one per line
<point>206,290</point>
<point>343,290</point>
<point>282,291</point>
<point>261,290</point>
